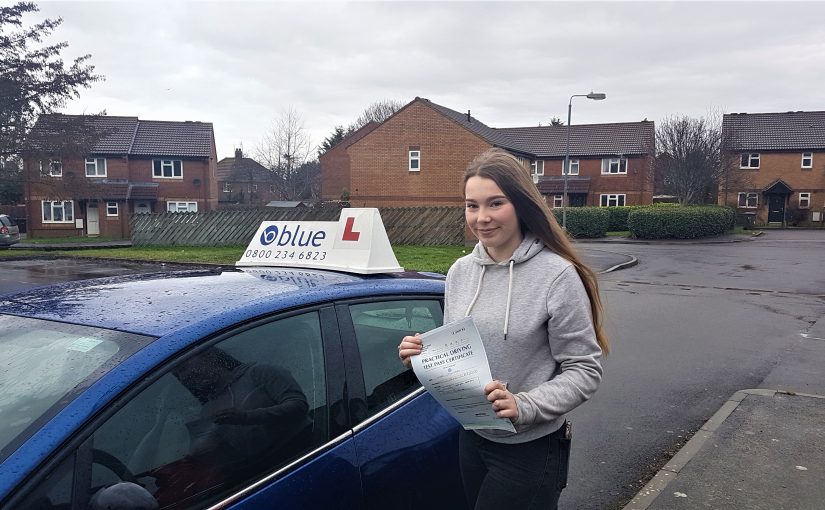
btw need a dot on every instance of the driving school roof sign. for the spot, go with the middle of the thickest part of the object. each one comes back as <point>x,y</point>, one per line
<point>356,243</point>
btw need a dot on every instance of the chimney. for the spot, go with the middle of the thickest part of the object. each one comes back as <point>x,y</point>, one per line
<point>238,153</point>
<point>469,119</point>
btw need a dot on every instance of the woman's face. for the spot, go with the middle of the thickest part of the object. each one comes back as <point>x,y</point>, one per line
<point>491,217</point>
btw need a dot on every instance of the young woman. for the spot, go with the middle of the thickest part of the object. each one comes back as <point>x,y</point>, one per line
<point>537,308</point>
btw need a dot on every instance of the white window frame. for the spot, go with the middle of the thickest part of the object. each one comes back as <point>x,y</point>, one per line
<point>159,165</point>
<point>227,187</point>
<point>810,157</point>
<point>55,167</point>
<point>605,199</point>
<point>66,208</point>
<point>537,167</point>
<point>558,201</point>
<point>415,155</point>
<point>621,166</point>
<point>748,195</point>
<point>254,188</point>
<point>806,196</point>
<point>753,157</point>
<point>272,188</point>
<point>175,206</point>
<point>110,207</point>
<point>574,167</point>
<point>96,162</point>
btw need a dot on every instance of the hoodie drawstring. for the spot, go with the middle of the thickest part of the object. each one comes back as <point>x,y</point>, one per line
<point>478,291</point>
<point>509,296</point>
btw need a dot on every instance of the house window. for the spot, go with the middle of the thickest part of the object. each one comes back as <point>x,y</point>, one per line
<point>53,168</point>
<point>749,200</point>
<point>537,167</point>
<point>558,200</point>
<point>804,200</point>
<point>749,160</point>
<point>254,188</point>
<point>182,206</point>
<point>807,160</point>
<point>95,167</point>
<point>227,187</point>
<point>167,168</point>
<point>574,167</point>
<point>58,211</point>
<point>613,166</point>
<point>612,200</point>
<point>111,209</point>
<point>272,188</point>
<point>415,161</point>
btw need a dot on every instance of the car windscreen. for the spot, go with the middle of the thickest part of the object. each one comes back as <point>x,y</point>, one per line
<point>45,364</point>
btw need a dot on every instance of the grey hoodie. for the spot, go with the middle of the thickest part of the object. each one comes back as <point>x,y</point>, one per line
<point>534,318</point>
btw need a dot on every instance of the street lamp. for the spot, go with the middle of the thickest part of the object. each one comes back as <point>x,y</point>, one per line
<point>598,96</point>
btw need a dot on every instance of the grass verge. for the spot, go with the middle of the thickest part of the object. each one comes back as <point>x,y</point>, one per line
<point>437,259</point>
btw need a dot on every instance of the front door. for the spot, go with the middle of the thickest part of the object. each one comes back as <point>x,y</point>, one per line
<point>92,219</point>
<point>776,208</point>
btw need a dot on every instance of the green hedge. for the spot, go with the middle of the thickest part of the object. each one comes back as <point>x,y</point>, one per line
<point>618,217</point>
<point>585,222</point>
<point>679,222</point>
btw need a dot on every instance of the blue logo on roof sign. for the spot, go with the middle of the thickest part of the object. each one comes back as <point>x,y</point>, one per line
<point>294,237</point>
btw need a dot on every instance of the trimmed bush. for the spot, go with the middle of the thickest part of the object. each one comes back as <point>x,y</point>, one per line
<point>680,222</point>
<point>585,222</point>
<point>618,217</point>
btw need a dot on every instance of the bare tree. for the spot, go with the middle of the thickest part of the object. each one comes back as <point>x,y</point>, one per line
<point>692,163</point>
<point>283,150</point>
<point>379,111</point>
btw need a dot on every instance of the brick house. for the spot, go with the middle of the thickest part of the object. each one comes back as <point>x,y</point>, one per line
<point>242,180</point>
<point>780,162</point>
<point>418,156</point>
<point>128,166</point>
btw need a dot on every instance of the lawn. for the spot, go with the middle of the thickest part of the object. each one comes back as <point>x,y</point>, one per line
<point>435,259</point>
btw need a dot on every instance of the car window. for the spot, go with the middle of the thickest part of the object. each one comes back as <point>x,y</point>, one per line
<point>379,328</point>
<point>219,420</point>
<point>6,221</point>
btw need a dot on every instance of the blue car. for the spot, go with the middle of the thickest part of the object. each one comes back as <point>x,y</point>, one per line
<point>244,388</point>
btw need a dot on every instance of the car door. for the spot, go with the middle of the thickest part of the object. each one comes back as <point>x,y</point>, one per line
<point>406,443</point>
<point>251,419</point>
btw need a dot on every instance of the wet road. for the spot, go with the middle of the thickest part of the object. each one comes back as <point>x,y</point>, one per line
<point>690,325</point>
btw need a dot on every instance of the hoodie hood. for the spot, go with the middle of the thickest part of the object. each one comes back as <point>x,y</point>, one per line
<point>530,246</point>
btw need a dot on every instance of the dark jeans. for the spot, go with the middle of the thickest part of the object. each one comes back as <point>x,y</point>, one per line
<point>518,476</point>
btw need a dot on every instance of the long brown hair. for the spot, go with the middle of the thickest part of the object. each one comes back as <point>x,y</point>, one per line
<point>535,216</point>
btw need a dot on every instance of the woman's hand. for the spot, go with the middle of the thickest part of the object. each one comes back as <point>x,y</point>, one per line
<point>409,346</point>
<point>503,402</point>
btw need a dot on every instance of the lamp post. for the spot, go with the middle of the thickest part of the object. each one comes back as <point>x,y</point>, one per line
<point>598,96</point>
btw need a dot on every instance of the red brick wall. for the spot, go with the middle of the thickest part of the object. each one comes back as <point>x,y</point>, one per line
<point>335,172</point>
<point>379,162</point>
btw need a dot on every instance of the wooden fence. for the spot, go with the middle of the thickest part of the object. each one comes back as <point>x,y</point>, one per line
<point>409,225</point>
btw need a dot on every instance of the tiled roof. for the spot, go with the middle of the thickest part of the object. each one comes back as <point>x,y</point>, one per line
<point>493,136</point>
<point>110,135</point>
<point>625,138</point>
<point>107,135</point>
<point>551,185</point>
<point>184,139</point>
<point>241,169</point>
<point>120,189</point>
<point>775,131</point>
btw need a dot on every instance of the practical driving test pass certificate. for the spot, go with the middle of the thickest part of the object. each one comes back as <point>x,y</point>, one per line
<point>453,367</point>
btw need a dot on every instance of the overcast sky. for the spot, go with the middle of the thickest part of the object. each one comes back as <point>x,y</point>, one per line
<point>239,65</point>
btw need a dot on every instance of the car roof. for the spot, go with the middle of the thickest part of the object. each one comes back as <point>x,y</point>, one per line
<point>158,304</point>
